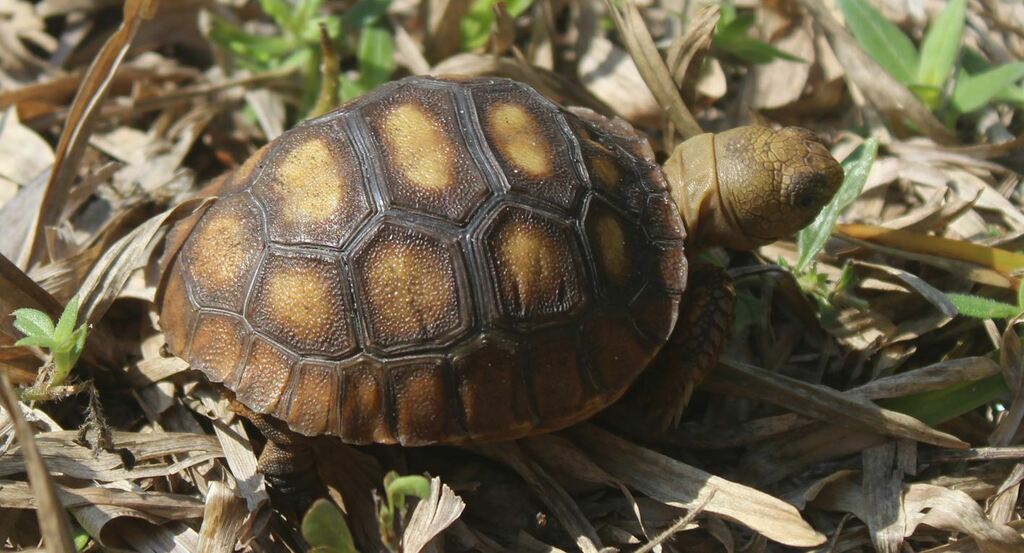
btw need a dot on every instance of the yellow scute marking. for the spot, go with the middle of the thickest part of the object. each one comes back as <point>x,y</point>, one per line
<point>533,262</point>
<point>309,182</point>
<point>300,300</point>
<point>413,292</point>
<point>519,138</point>
<point>419,148</point>
<point>219,254</point>
<point>611,243</point>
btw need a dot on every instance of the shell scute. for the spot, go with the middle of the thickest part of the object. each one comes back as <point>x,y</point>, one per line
<point>492,389</point>
<point>313,189</point>
<point>301,300</point>
<point>559,386</point>
<point>617,246</point>
<point>412,287</point>
<point>422,408</point>
<point>264,376</point>
<point>222,253</point>
<point>219,345</point>
<point>526,134</point>
<point>425,160</point>
<point>313,399</point>
<point>177,313</point>
<point>363,403</point>
<point>535,266</point>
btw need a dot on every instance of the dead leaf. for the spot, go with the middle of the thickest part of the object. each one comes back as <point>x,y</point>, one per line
<point>433,514</point>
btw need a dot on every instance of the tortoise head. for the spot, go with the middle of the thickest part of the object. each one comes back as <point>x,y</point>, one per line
<point>750,186</point>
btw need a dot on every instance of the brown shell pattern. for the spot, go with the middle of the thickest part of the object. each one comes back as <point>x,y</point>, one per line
<point>438,261</point>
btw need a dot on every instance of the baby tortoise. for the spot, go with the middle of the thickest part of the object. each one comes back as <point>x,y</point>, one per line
<point>449,260</point>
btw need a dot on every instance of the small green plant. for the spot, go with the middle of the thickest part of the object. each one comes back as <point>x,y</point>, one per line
<point>63,341</point>
<point>928,70</point>
<point>812,239</point>
<point>978,307</point>
<point>298,45</point>
<point>392,509</point>
<point>731,36</point>
<point>325,530</point>
<point>324,527</point>
<point>476,25</point>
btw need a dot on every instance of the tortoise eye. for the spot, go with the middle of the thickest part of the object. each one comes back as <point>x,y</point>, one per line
<point>807,200</point>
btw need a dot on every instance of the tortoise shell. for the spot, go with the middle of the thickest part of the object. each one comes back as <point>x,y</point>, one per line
<point>438,261</point>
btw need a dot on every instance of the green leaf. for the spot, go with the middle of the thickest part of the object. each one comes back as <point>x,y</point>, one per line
<point>753,50</point>
<point>32,322</point>
<point>78,343</point>
<point>1020,296</point>
<point>731,36</point>
<point>974,91</point>
<point>982,308</point>
<point>517,7</point>
<point>323,526</point>
<point>408,485</point>
<point>81,538</point>
<point>66,324</point>
<point>941,45</point>
<point>882,40</point>
<point>856,167</point>
<point>259,51</point>
<point>281,12</point>
<point>364,13</point>
<point>349,89</point>
<point>1013,95</point>
<point>40,341</point>
<point>304,16</point>
<point>376,57</point>
<point>475,26</point>
<point>939,406</point>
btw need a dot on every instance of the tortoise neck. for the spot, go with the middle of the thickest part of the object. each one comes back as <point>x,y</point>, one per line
<point>692,173</point>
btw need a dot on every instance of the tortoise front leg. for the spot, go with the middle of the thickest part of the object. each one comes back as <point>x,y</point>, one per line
<point>703,328</point>
<point>287,461</point>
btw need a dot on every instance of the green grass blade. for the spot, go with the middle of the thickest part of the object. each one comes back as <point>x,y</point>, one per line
<point>856,167</point>
<point>939,406</point>
<point>941,45</point>
<point>974,91</point>
<point>882,40</point>
<point>982,308</point>
<point>376,57</point>
<point>32,322</point>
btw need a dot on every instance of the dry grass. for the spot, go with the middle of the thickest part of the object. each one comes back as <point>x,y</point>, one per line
<point>855,410</point>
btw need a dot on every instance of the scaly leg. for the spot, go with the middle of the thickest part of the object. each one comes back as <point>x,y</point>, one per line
<point>288,462</point>
<point>704,326</point>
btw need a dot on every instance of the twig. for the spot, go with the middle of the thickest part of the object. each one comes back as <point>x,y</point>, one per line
<point>676,526</point>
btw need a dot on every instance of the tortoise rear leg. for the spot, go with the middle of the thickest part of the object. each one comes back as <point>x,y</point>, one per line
<point>287,461</point>
<point>704,326</point>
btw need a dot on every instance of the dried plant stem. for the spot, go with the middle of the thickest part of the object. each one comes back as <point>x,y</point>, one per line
<point>53,522</point>
<point>676,526</point>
